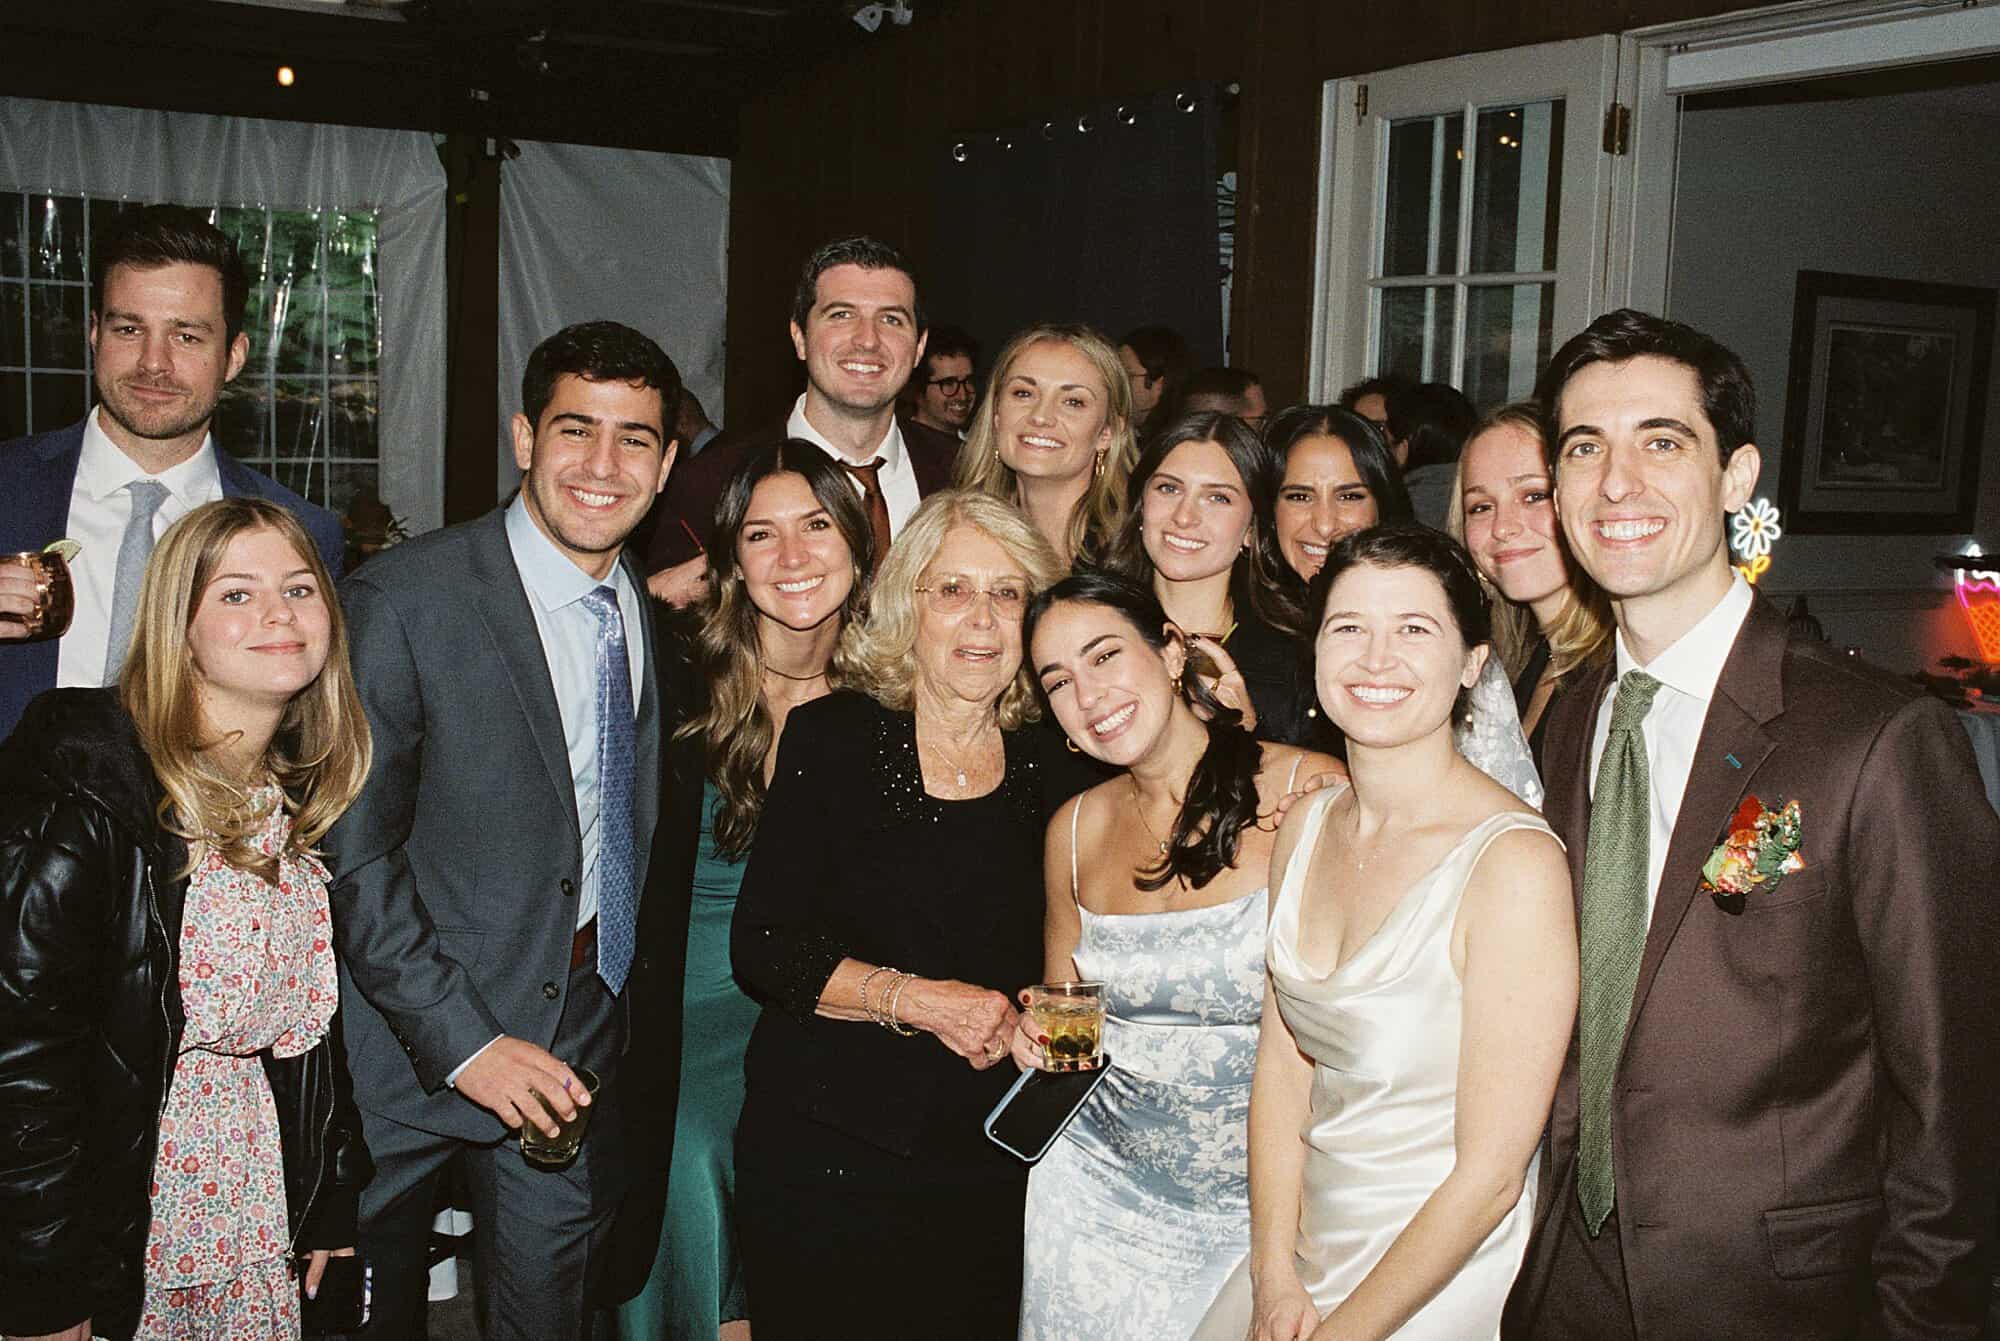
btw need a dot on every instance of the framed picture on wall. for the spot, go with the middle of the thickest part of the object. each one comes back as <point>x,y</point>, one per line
<point>1885,406</point>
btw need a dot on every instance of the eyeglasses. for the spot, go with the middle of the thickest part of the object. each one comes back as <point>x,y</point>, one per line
<point>951,386</point>
<point>953,595</point>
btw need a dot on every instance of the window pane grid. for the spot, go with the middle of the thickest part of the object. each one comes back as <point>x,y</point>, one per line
<point>305,408</point>
<point>1462,281</point>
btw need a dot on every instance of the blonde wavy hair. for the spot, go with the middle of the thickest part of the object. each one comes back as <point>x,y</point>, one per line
<point>1094,522</point>
<point>880,651</point>
<point>320,752</point>
<point>1580,634</point>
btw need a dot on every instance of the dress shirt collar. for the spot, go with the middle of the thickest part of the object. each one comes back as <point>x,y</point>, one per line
<point>103,469</point>
<point>550,576</point>
<point>1693,664</point>
<point>890,449</point>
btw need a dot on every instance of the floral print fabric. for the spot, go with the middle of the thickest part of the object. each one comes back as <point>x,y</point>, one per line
<point>256,972</point>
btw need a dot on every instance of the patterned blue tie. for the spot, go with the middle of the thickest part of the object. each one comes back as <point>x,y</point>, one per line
<point>617,901</point>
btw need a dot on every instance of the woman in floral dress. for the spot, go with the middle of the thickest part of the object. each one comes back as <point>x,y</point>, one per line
<point>179,1151</point>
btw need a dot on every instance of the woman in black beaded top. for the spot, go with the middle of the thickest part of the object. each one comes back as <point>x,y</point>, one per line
<point>891,907</point>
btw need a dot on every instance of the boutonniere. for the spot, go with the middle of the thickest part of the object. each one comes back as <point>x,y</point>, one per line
<point>1761,848</point>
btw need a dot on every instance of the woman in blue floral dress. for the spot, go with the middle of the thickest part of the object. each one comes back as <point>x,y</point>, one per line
<point>1156,887</point>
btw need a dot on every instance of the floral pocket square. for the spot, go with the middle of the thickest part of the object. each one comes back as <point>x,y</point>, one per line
<point>1761,849</point>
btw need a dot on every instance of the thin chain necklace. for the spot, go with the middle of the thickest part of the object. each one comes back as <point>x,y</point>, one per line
<point>1354,843</point>
<point>951,763</point>
<point>1139,809</point>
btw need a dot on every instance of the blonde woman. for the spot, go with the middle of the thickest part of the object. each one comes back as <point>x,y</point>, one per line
<point>891,908</point>
<point>1552,619</point>
<point>177,1133</point>
<point>1054,437</point>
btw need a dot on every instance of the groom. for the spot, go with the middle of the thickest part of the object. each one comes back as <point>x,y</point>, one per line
<point>1777,1117</point>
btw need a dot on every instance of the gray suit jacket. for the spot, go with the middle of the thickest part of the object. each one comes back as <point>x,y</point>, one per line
<point>457,870</point>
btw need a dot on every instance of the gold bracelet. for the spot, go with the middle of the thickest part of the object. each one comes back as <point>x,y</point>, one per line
<point>894,1024</point>
<point>867,1009</point>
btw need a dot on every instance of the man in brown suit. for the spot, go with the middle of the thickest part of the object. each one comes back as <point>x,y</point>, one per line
<point>858,326</point>
<point>1776,1119</point>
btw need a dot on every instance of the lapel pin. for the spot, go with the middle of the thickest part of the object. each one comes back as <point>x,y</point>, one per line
<point>1734,762</point>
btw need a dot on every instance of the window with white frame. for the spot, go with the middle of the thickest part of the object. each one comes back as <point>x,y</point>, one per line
<point>306,407</point>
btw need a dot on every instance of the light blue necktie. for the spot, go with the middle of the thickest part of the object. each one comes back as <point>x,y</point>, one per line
<point>135,548</point>
<point>617,901</point>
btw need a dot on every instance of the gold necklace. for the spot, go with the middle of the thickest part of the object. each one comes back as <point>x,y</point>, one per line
<point>1139,809</point>
<point>819,674</point>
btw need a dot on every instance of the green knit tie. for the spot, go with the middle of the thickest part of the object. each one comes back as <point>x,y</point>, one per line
<point>1612,933</point>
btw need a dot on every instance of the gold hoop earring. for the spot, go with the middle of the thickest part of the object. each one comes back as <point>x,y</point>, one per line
<point>1097,465</point>
<point>1176,683</point>
<point>1070,745</point>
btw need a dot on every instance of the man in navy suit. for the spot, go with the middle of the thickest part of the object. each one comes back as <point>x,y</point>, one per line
<point>166,334</point>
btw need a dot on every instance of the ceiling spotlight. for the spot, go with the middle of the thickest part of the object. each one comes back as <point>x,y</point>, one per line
<point>1185,102</point>
<point>286,76</point>
<point>1128,116</point>
<point>959,153</point>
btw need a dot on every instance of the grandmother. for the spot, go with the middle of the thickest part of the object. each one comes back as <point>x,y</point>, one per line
<point>891,908</point>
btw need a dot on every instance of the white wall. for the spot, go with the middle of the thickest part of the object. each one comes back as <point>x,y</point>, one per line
<point>593,234</point>
<point>1900,186</point>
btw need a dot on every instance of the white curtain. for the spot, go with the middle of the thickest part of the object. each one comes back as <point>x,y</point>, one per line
<point>591,234</point>
<point>127,153</point>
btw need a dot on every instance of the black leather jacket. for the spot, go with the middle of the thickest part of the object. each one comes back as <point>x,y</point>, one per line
<point>91,1021</point>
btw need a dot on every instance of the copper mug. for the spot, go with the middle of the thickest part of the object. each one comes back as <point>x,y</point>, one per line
<point>55,595</point>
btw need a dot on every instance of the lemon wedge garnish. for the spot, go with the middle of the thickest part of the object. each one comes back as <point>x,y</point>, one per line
<point>67,549</point>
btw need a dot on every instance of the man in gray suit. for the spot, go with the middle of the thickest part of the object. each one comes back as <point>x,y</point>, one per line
<point>486,884</point>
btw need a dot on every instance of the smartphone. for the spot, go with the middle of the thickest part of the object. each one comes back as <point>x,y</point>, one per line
<point>345,1299</point>
<point>1030,1116</point>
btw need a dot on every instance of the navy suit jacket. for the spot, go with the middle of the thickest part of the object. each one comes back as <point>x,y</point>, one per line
<point>36,475</point>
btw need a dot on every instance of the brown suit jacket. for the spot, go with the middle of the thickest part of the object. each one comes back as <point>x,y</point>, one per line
<point>1803,1130</point>
<point>686,510</point>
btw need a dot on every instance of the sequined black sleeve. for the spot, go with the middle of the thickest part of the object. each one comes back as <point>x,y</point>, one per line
<point>776,943</point>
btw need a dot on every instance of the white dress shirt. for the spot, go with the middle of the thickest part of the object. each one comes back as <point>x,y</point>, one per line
<point>1687,672</point>
<point>569,644</point>
<point>897,478</point>
<point>568,632</point>
<point>99,507</point>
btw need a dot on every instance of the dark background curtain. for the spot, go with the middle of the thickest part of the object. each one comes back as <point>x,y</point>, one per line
<point>1105,218</point>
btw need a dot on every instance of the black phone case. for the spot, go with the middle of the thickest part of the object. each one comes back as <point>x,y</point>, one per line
<point>342,1303</point>
<point>1029,1117</point>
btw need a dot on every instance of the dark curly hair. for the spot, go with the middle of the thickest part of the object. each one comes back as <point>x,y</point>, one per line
<point>1221,798</point>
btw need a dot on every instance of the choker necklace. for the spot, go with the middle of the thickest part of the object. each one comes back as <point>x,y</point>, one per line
<point>797,679</point>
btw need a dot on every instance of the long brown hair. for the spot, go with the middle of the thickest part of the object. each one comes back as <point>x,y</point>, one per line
<point>319,754</point>
<point>736,730</point>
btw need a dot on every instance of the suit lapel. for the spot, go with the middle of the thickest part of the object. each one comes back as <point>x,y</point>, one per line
<point>648,742</point>
<point>37,513</point>
<point>503,607</point>
<point>1733,744</point>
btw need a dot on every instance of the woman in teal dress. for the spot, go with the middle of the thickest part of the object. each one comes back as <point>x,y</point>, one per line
<point>789,561</point>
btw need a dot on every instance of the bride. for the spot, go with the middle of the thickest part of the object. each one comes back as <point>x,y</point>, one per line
<point>1422,980</point>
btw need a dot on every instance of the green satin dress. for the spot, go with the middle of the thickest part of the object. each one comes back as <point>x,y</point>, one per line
<point>696,1283</point>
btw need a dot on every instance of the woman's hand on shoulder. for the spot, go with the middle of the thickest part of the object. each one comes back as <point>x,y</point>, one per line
<point>1294,774</point>
<point>977,1023</point>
